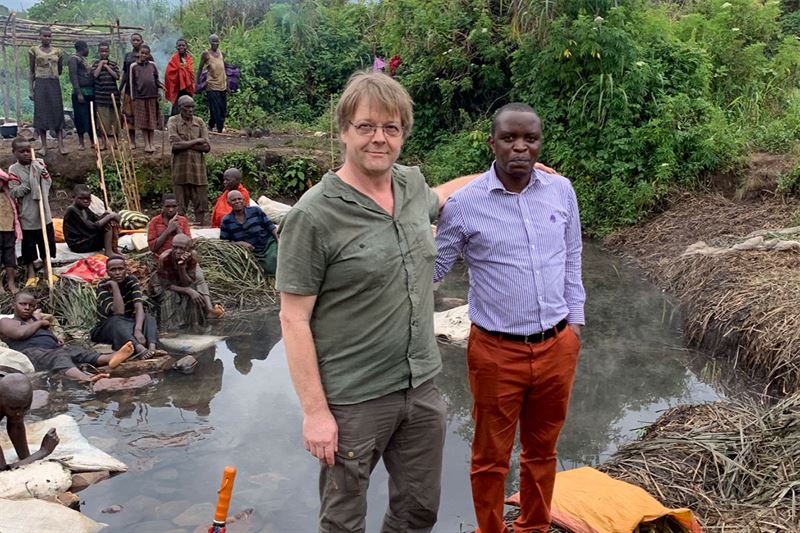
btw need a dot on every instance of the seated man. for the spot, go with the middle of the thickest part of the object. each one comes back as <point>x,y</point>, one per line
<point>16,395</point>
<point>86,232</point>
<point>120,304</point>
<point>231,181</point>
<point>164,227</point>
<point>250,227</point>
<point>184,296</point>
<point>30,334</point>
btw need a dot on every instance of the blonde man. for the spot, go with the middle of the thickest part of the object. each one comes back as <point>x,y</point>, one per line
<point>355,271</point>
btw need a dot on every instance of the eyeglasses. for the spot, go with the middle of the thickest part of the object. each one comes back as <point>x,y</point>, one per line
<point>365,129</point>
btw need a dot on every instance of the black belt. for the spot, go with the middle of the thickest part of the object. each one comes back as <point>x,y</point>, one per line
<point>533,338</point>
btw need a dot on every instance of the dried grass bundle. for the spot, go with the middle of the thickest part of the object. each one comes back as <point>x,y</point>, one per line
<point>745,305</point>
<point>736,464</point>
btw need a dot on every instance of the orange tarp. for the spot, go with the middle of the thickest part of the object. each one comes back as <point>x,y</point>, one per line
<point>588,501</point>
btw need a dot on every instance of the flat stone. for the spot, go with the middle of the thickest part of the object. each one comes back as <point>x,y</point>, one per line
<point>199,513</point>
<point>67,499</point>
<point>40,399</point>
<point>142,504</point>
<point>117,384</point>
<point>86,479</point>
<point>112,509</point>
<point>154,525</point>
<point>166,474</point>
<point>168,510</point>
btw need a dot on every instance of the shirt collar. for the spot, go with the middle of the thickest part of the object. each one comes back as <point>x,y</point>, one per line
<point>536,175</point>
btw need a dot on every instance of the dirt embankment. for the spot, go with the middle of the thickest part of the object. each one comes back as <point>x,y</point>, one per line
<point>739,300</point>
<point>733,205</point>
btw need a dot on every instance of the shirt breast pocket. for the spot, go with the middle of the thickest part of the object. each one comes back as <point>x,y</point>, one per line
<point>362,263</point>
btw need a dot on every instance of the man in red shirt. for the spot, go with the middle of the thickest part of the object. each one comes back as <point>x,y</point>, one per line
<point>163,228</point>
<point>231,181</point>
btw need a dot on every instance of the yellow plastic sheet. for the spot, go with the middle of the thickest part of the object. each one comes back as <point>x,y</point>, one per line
<point>588,501</point>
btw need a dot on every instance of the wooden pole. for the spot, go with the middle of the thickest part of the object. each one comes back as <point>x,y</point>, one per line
<point>43,220</point>
<point>127,158</point>
<point>122,180</point>
<point>6,75</point>
<point>16,68</point>
<point>99,158</point>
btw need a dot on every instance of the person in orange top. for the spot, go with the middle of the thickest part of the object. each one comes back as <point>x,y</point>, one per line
<point>163,228</point>
<point>179,76</point>
<point>231,181</point>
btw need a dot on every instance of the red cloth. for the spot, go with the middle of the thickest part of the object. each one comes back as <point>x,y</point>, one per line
<point>222,207</point>
<point>178,76</point>
<point>515,382</point>
<point>157,226</point>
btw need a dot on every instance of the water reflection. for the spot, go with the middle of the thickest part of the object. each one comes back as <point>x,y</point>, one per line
<point>239,408</point>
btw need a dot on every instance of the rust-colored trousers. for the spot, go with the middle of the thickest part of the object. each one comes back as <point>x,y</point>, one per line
<point>530,383</point>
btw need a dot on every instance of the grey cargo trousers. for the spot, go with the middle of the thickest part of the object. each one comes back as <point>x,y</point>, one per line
<point>407,429</point>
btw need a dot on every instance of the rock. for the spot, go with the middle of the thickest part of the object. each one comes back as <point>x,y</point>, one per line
<point>40,399</point>
<point>173,440</point>
<point>142,505</point>
<point>168,510</point>
<point>69,499</point>
<point>112,509</point>
<point>166,474</point>
<point>185,365</point>
<point>190,343</point>
<point>143,366</point>
<point>118,384</point>
<point>86,479</point>
<point>200,513</point>
<point>153,526</point>
<point>452,325</point>
<point>452,302</point>
<point>28,516</point>
<point>245,521</point>
<point>18,361</point>
<point>41,479</point>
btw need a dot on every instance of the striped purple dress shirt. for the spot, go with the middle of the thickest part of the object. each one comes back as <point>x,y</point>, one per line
<point>523,251</point>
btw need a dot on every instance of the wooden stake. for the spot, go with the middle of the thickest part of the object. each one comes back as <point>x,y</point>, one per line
<point>7,80</point>
<point>43,220</point>
<point>16,66</point>
<point>127,159</point>
<point>99,158</point>
<point>122,180</point>
<point>333,161</point>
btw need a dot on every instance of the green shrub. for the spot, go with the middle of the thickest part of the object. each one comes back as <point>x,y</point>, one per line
<point>789,183</point>
<point>457,154</point>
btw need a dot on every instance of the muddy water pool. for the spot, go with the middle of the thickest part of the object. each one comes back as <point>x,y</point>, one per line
<point>239,408</point>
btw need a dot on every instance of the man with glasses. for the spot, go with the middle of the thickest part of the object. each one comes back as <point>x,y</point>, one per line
<point>355,271</point>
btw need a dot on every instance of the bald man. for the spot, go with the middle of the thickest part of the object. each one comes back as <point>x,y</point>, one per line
<point>183,292</point>
<point>231,181</point>
<point>16,395</point>
<point>188,137</point>
<point>250,227</point>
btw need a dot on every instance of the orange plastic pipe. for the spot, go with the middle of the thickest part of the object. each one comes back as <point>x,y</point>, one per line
<point>224,495</point>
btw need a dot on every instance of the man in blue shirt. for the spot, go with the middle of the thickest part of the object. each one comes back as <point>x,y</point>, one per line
<point>250,227</point>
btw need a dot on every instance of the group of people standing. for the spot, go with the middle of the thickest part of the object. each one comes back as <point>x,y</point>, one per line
<point>132,92</point>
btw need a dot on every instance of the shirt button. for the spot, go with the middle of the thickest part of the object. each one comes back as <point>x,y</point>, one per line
<point>537,272</point>
<point>350,455</point>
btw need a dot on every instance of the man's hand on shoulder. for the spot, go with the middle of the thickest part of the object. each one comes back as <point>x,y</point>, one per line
<point>545,168</point>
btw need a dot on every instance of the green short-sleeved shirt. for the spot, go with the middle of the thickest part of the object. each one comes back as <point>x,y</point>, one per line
<point>372,274</point>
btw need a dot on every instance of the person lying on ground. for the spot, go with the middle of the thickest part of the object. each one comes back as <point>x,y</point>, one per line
<point>163,228</point>
<point>16,395</point>
<point>250,227</point>
<point>231,181</point>
<point>86,232</point>
<point>29,182</point>
<point>120,304</point>
<point>184,297</point>
<point>29,332</point>
<point>10,231</point>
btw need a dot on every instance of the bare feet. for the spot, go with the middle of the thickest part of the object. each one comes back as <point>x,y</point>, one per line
<point>121,355</point>
<point>82,147</point>
<point>216,312</point>
<point>149,150</point>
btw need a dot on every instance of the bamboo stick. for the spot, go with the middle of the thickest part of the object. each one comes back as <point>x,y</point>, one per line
<point>129,156</point>
<point>99,158</point>
<point>122,180</point>
<point>48,263</point>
